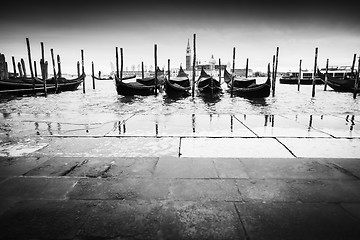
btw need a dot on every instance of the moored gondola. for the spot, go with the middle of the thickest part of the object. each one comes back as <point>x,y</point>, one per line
<point>344,84</point>
<point>206,84</point>
<point>150,81</point>
<point>133,88</point>
<point>238,82</point>
<point>253,90</point>
<point>22,86</point>
<point>179,85</point>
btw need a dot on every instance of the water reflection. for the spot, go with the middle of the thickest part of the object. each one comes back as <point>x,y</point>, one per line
<point>350,122</point>
<point>258,102</point>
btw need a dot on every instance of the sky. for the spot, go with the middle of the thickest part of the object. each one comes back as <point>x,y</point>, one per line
<point>254,28</point>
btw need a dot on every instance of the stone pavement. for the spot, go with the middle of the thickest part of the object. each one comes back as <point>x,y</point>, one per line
<point>183,177</point>
<point>179,198</point>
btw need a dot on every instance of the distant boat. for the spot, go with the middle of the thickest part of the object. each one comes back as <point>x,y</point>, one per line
<point>238,82</point>
<point>305,79</point>
<point>23,85</point>
<point>179,85</point>
<point>206,84</point>
<point>340,84</point>
<point>108,78</point>
<point>133,88</point>
<point>253,90</point>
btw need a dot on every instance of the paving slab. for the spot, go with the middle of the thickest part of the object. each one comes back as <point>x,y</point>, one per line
<point>44,219</point>
<point>132,167</point>
<point>332,191</point>
<point>170,167</point>
<point>353,209</point>
<point>265,190</point>
<point>297,221</point>
<point>337,126</point>
<point>182,125</point>
<point>350,166</point>
<point>16,166</point>
<point>36,188</point>
<point>278,126</point>
<point>55,166</point>
<point>292,168</point>
<point>120,189</point>
<point>230,168</point>
<point>323,147</point>
<point>111,147</point>
<point>163,220</point>
<point>204,190</point>
<point>233,148</point>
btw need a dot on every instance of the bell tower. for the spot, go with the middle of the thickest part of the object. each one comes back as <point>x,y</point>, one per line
<point>188,57</point>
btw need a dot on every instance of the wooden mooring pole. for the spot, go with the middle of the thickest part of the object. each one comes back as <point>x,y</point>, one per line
<point>59,66</point>
<point>169,69</point>
<point>55,77</point>
<point>30,62</point>
<point>155,56</point>
<point>276,66</point>
<point>326,74</point>
<point>219,71</point>
<point>193,69</point>
<point>35,69</point>
<point>314,76</point>
<point>299,76</point>
<point>233,75</point>
<point>356,85</point>
<point>142,70</point>
<point>43,67</point>
<point>353,65</point>
<point>93,74</point>
<point>121,63</point>
<point>247,68</point>
<point>83,68</point>
<point>117,61</point>
<point>14,65</point>
<point>20,69</point>
<point>273,77</point>
<point>23,67</point>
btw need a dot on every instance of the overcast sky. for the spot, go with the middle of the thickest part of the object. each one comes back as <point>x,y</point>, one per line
<point>255,29</point>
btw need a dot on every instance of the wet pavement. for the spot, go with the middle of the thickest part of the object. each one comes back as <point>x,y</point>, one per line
<point>181,177</point>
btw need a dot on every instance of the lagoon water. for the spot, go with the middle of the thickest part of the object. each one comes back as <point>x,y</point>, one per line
<point>25,122</point>
<point>105,102</point>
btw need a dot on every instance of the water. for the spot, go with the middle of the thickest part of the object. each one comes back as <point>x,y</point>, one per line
<point>104,103</point>
<point>27,122</point>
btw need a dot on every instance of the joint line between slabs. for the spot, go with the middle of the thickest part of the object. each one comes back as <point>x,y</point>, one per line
<point>285,147</point>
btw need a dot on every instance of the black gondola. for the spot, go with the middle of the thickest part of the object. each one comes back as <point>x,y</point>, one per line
<point>238,82</point>
<point>344,84</point>
<point>133,88</point>
<point>253,90</point>
<point>179,85</point>
<point>206,84</point>
<point>22,86</point>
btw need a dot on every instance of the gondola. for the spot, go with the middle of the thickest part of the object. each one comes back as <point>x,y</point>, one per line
<point>21,86</point>
<point>179,85</point>
<point>238,82</point>
<point>206,84</point>
<point>133,88</point>
<point>150,81</point>
<point>104,79</point>
<point>344,84</point>
<point>253,90</point>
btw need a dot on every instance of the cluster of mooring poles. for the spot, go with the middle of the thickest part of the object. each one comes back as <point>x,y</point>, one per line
<point>353,74</point>
<point>19,69</point>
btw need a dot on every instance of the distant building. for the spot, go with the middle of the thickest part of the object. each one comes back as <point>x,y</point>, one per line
<point>211,65</point>
<point>188,57</point>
